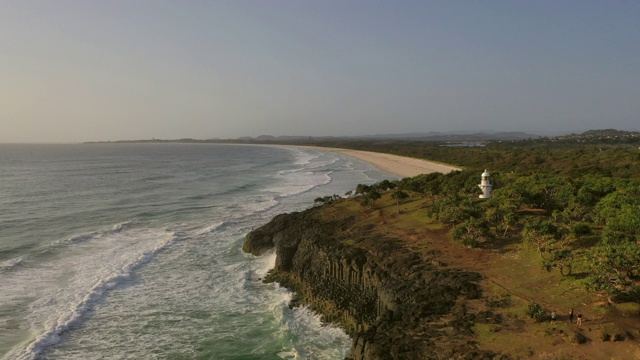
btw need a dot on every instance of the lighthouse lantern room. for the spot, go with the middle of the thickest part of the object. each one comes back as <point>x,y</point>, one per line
<point>485,185</point>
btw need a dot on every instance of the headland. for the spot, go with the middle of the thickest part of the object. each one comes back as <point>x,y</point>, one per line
<point>410,279</point>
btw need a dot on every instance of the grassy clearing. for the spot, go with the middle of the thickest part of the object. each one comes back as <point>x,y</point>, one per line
<point>629,309</point>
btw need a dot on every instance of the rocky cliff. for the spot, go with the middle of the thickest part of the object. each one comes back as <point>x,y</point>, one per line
<point>394,303</point>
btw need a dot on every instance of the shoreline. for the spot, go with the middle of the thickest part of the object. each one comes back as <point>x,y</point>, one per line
<point>401,166</point>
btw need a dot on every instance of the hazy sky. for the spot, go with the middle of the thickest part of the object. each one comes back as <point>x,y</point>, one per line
<point>73,71</point>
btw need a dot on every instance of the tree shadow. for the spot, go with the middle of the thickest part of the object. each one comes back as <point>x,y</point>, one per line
<point>585,242</point>
<point>579,276</point>
<point>501,243</point>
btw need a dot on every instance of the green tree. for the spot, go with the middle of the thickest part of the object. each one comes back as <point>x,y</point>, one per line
<point>501,214</point>
<point>362,189</point>
<point>325,200</point>
<point>371,197</point>
<point>560,259</point>
<point>624,225</point>
<point>472,232</point>
<point>619,214</point>
<point>453,209</point>
<point>385,185</point>
<point>540,233</point>
<point>615,270</point>
<point>398,196</point>
<point>593,189</point>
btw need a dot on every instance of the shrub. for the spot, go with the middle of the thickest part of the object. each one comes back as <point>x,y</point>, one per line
<point>580,229</point>
<point>535,311</point>
<point>579,338</point>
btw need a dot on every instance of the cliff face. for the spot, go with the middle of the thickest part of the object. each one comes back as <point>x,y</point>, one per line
<point>391,301</point>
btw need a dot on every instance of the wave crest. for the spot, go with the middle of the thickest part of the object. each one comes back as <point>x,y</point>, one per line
<point>62,309</point>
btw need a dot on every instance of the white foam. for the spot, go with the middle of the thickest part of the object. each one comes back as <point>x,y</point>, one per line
<point>123,225</point>
<point>290,171</point>
<point>211,228</point>
<point>68,287</point>
<point>257,205</point>
<point>301,183</point>
<point>78,238</point>
<point>324,341</point>
<point>11,263</point>
<point>322,164</point>
<point>288,354</point>
<point>309,166</point>
<point>303,157</point>
<point>290,190</point>
<point>116,228</point>
<point>265,263</point>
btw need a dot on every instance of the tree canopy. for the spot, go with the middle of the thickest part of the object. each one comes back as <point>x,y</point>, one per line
<point>578,205</point>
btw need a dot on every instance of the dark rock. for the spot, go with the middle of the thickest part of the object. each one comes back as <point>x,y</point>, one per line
<point>381,293</point>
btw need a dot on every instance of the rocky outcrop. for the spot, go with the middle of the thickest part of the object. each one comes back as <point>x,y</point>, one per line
<point>390,300</point>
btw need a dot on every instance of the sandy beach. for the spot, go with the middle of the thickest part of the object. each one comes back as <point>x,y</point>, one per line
<point>394,164</point>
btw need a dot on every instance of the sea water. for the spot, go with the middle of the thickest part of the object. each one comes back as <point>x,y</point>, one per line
<point>133,251</point>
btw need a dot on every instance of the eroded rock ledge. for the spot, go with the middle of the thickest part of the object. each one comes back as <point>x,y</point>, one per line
<point>394,304</point>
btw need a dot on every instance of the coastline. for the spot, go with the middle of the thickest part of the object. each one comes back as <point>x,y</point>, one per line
<point>394,164</point>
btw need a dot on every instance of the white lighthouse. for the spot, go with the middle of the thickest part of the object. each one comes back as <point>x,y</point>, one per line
<point>485,185</point>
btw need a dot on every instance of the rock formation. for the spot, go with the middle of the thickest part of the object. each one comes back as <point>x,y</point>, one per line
<point>393,303</point>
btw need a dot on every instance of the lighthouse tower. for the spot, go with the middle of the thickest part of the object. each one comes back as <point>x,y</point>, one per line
<point>485,185</point>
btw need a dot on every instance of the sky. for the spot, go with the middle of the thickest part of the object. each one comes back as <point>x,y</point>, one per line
<point>78,70</point>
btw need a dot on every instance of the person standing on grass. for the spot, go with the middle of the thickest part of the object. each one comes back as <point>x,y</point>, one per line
<point>579,322</point>
<point>553,317</point>
<point>571,316</point>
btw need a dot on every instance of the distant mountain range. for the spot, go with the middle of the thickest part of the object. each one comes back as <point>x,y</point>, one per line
<point>603,135</point>
<point>428,136</point>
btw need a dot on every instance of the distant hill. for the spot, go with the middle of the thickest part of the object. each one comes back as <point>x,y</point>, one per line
<point>602,135</point>
<point>457,136</point>
<point>427,137</point>
<point>606,132</point>
<point>599,136</point>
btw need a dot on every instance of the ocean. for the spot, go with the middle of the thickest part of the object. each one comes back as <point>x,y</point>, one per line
<point>133,251</point>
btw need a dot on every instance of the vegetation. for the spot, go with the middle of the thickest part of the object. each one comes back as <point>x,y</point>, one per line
<point>553,237</point>
<point>536,311</point>
<point>576,203</point>
<point>398,196</point>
